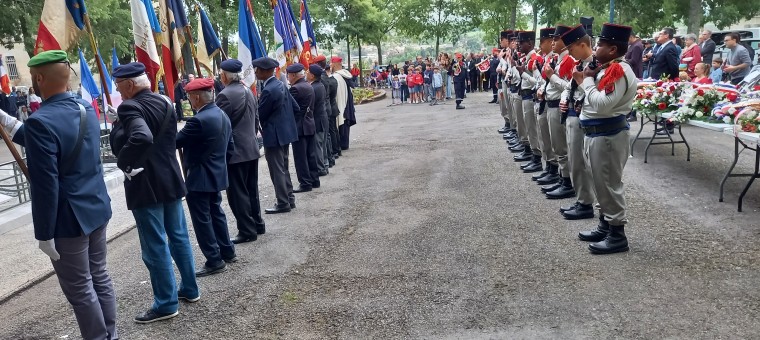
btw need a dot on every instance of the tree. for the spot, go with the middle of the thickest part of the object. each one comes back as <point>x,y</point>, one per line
<point>439,19</point>
<point>20,22</point>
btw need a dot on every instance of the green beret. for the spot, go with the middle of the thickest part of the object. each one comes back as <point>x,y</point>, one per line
<point>48,57</point>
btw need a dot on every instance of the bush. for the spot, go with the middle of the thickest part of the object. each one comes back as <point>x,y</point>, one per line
<point>361,94</point>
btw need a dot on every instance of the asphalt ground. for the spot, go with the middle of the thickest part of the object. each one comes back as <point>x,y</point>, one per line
<point>427,229</point>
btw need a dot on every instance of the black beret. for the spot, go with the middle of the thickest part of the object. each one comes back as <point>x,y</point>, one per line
<point>316,70</point>
<point>130,70</point>
<point>265,63</point>
<point>616,33</point>
<point>232,65</point>
<point>295,68</point>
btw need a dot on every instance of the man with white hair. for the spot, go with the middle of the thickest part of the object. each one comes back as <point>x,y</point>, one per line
<point>143,140</point>
<point>239,103</point>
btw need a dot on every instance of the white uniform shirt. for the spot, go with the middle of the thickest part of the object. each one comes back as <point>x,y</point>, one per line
<point>599,104</point>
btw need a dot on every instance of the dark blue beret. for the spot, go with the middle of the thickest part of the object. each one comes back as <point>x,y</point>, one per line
<point>130,70</point>
<point>295,68</point>
<point>316,70</point>
<point>232,65</point>
<point>265,63</point>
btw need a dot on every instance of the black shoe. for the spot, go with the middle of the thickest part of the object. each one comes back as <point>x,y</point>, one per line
<point>548,179</point>
<point>525,155</point>
<point>233,259</point>
<point>279,210</point>
<point>241,239</point>
<point>562,192</point>
<point>206,271</point>
<point>293,205</point>
<point>503,129</point>
<point>632,118</point>
<point>153,316</point>
<point>301,189</point>
<point>568,207</point>
<point>526,164</point>
<point>185,298</point>
<point>551,187</point>
<point>614,242</point>
<point>598,234</point>
<point>517,148</point>
<point>538,176</point>
<point>579,212</point>
<point>460,107</point>
<point>536,166</point>
<point>324,173</point>
<point>263,229</point>
<point>316,185</point>
<point>493,101</point>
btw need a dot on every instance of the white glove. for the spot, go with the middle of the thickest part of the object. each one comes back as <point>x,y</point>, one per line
<point>9,123</point>
<point>111,113</point>
<point>133,173</point>
<point>48,247</point>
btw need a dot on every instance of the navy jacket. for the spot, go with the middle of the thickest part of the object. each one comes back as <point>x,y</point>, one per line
<point>664,62</point>
<point>320,112</point>
<point>303,93</point>
<point>75,202</point>
<point>332,94</point>
<point>206,138</point>
<point>278,125</point>
<point>136,144</point>
<point>241,106</point>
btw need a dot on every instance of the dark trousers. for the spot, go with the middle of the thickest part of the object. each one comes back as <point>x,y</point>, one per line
<point>334,136</point>
<point>321,139</point>
<point>494,86</point>
<point>178,110</point>
<point>83,277</point>
<point>473,81</point>
<point>305,159</point>
<point>736,81</point>
<point>345,132</point>
<point>459,88</point>
<point>277,161</point>
<point>210,225</point>
<point>243,196</point>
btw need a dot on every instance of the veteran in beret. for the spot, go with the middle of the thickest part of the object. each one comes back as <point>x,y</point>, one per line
<point>70,203</point>
<point>305,148</point>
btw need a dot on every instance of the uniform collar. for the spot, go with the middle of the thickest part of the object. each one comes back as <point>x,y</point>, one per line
<point>58,97</point>
<point>207,106</point>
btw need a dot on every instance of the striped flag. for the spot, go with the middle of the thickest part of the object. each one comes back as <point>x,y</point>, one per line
<point>250,46</point>
<point>171,48</point>
<point>5,80</point>
<point>208,43</point>
<point>61,23</point>
<point>143,21</point>
<point>307,33</point>
<point>89,87</point>
<point>287,45</point>
<point>111,86</point>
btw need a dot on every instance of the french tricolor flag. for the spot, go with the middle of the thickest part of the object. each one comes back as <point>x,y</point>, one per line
<point>89,87</point>
<point>143,21</point>
<point>307,33</point>
<point>250,46</point>
<point>61,23</point>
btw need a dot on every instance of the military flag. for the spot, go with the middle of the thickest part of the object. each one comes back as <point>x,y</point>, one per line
<point>61,23</point>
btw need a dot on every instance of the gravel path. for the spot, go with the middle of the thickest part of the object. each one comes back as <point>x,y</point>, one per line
<point>427,229</point>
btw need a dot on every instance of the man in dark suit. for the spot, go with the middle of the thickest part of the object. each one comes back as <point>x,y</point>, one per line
<point>472,74</point>
<point>493,76</point>
<point>320,115</point>
<point>634,55</point>
<point>278,128</point>
<point>239,103</point>
<point>305,149</point>
<point>664,57</point>
<point>330,92</point>
<point>206,139</point>
<point>706,47</point>
<point>144,142</point>
<point>70,203</point>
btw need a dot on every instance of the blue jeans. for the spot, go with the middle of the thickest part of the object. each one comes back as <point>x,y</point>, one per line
<point>155,224</point>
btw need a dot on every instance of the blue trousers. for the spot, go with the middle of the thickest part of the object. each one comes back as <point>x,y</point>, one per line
<point>210,225</point>
<point>163,237</point>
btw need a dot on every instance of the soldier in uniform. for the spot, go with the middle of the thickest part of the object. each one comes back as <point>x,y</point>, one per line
<point>550,173</point>
<point>520,143</point>
<point>530,78</point>
<point>610,91</point>
<point>492,76</point>
<point>305,148</point>
<point>502,71</point>
<point>460,79</point>
<point>559,77</point>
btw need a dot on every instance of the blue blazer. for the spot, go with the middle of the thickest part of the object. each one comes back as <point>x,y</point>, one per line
<point>66,204</point>
<point>205,139</point>
<point>278,123</point>
<point>665,62</point>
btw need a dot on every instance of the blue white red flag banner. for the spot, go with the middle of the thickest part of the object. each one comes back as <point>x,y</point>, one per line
<point>250,46</point>
<point>61,23</point>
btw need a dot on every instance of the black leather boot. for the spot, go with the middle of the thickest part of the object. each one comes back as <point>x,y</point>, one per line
<point>615,242</point>
<point>579,212</point>
<point>505,128</point>
<point>568,207</point>
<point>536,166</point>
<point>526,164</point>
<point>565,191</point>
<point>513,143</point>
<point>553,186</point>
<point>598,234</point>
<point>517,148</point>
<point>525,155</point>
<point>552,177</point>
<point>546,171</point>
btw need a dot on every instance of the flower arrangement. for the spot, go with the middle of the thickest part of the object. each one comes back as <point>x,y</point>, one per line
<point>660,97</point>
<point>698,104</point>
<point>748,119</point>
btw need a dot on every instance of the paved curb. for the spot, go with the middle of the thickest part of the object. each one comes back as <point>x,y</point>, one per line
<point>377,97</point>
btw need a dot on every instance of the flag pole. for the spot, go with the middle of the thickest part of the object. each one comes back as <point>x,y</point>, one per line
<point>94,45</point>
<point>190,39</point>
<point>14,152</point>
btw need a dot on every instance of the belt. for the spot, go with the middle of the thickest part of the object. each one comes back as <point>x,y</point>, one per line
<point>605,129</point>
<point>527,92</point>
<point>552,103</point>
<point>572,113</point>
<point>513,89</point>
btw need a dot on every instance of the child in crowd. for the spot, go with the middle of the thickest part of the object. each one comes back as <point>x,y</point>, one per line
<point>683,76</point>
<point>395,90</point>
<point>427,88</point>
<point>437,84</point>
<point>404,87</point>
<point>717,73</point>
<point>373,78</point>
<point>418,81</point>
<point>412,81</point>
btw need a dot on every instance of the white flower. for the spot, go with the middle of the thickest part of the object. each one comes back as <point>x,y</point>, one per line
<point>699,114</point>
<point>732,110</point>
<point>727,119</point>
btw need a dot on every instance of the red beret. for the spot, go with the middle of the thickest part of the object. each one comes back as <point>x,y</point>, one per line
<point>319,58</point>
<point>336,59</point>
<point>200,84</point>
<point>458,55</point>
<point>495,50</point>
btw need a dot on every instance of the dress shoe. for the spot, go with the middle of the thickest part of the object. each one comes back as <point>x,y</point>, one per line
<point>153,316</point>
<point>493,101</point>
<point>316,185</point>
<point>293,205</point>
<point>523,156</point>
<point>568,207</point>
<point>206,271</point>
<point>233,259</point>
<point>278,210</point>
<point>301,189</point>
<point>579,212</point>
<point>548,170</point>
<point>562,192</point>
<point>615,242</point>
<point>548,179</point>
<point>538,176</point>
<point>598,234</point>
<point>241,239</point>
<point>536,166</point>
<point>503,129</point>
<point>324,173</point>
<point>460,107</point>
<point>526,164</point>
<point>551,187</point>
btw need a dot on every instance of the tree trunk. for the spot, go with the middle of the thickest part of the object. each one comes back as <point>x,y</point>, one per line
<point>348,51</point>
<point>379,53</point>
<point>695,16</point>
<point>361,74</point>
<point>437,44</point>
<point>513,16</point>
<point>535,17</point>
